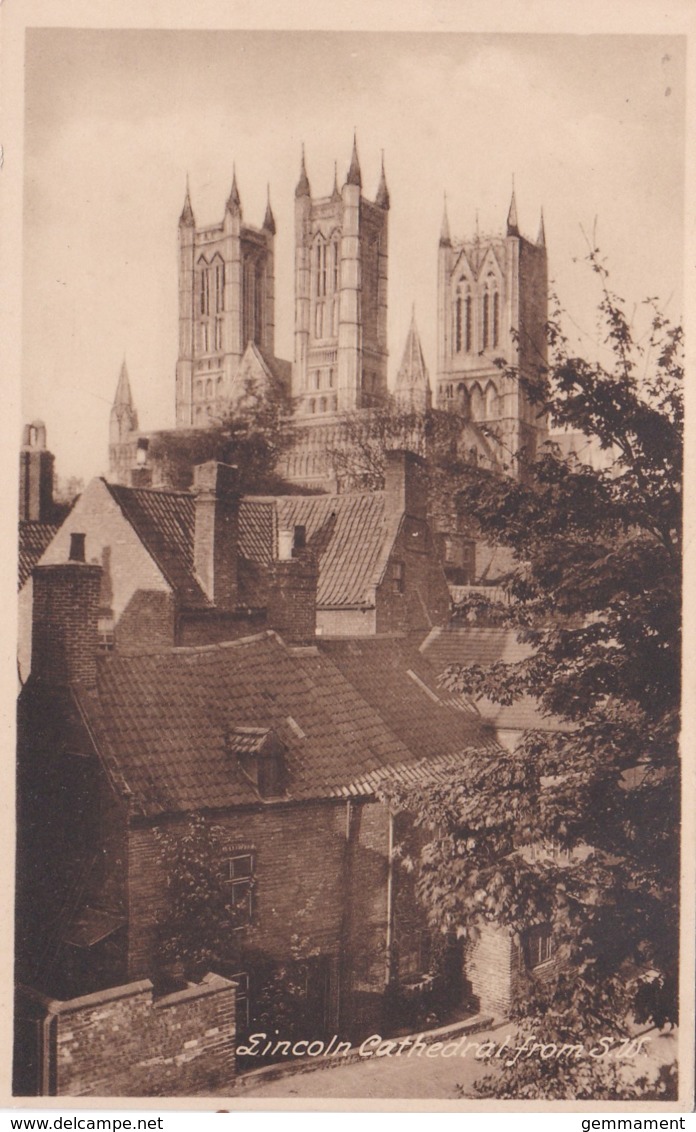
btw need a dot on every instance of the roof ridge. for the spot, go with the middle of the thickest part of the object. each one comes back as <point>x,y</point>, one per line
<point>176,491</point>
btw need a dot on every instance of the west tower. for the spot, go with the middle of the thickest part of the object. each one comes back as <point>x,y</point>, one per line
<point>493,304</point>
<point>226,301</point>
<point>341,271</point>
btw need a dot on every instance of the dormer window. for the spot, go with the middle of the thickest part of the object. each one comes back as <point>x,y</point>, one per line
<point>261,758</point>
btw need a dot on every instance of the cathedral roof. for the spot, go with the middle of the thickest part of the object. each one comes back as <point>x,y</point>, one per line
<point>163,722</point>
<point>413,371</point>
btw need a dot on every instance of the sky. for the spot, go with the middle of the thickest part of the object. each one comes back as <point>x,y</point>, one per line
<point>591,127</point>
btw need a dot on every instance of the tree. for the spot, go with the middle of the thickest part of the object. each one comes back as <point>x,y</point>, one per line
<point>253,434</point>
<point>596,592</point>
<point>448,441</point>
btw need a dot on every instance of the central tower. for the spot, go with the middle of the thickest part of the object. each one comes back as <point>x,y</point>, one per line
<point>341,270</point>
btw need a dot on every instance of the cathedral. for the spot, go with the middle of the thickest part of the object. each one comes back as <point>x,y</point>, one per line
<point>491,314</point>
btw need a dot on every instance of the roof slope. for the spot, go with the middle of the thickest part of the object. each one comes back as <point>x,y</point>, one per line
<point>165,725</point>
<point>165,522</point>
<point>348,533</point>
<point>401,685</point>
<point>34,537</point>
<point>470,644</point>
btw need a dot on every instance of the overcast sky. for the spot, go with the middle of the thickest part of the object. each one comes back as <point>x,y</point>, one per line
<point>591,126</point>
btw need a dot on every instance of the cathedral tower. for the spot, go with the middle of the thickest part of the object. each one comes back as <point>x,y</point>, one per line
<point>226,301</point>
<point>341,268</point>
<point>123,430</point>
<point>493,304</point>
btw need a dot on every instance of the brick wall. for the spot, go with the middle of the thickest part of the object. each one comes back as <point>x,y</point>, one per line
<point>423,599</point>
<point>123,1042</point>
<point>489,963</point>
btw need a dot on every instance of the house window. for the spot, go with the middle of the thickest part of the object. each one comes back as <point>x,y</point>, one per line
<point>239,873</point>
<point>398,577</point>
<point>538,945</point>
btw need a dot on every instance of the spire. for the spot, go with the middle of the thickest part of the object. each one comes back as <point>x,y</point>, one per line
<point>541,238</point>
<point>512,228</point>
<point>268,221</point>
<point>302,189</point>
<point>445,240</point>
<point>234,203</point>
<point>187,220</point>
<point>382,198</point>
<point>336,194</point>
<point>124,397</point>
<point>413,372</point>
<point>354,177</point>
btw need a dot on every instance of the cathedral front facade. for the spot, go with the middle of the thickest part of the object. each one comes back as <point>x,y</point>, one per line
<point>491,317</point>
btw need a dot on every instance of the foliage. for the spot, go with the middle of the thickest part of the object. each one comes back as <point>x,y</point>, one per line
<point>445,439</point>
<point>253,435</point>
<point>595,594</point>
<point>196,928</point>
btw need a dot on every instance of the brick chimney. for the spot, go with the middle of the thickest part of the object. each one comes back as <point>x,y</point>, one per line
<point>64,622</point>
<point>141,472</point>
<point>405,484</point>
<point>216,534</point>
<point>35,475</point>
<point>292,602</point>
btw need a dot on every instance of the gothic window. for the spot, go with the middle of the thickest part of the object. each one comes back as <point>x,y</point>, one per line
<point>467,318</point>
<point>334,312</point>
<point>219,287</point>
<point>204,285</point>
<point>458,324</point>
<point>312,406</point>
<point>491,409</point>
<point>218,333</point>
<point>319,320</point>
<point>336,264</point>
<point>322,405</point>
<point>331,379</point>
<point>484,328</point>
<point>496,317</point>
<point>334,404</point>
<point>317,379</point>
<point>321,272</point>
<point>463,400</point>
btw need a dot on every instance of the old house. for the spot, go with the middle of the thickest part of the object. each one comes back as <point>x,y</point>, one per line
<point>279,747</point>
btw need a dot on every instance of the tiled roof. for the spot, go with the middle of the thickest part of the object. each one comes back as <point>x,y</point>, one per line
<point>34,537</point>
<point>348,533</point>
<point>164,724</point>
<point>469,644</point>
<point>401,685</point>
<point>165,520</point>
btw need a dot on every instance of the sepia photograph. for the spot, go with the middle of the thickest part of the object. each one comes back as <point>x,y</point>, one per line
<point>350,383</point>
